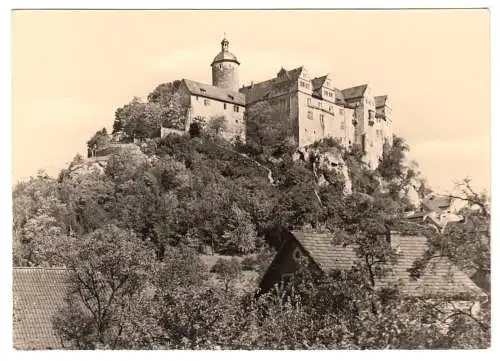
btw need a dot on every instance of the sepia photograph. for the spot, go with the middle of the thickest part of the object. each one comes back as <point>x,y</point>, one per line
<point>284,179</point>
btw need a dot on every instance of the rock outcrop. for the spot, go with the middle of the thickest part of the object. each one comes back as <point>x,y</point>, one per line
<point>326,164</point>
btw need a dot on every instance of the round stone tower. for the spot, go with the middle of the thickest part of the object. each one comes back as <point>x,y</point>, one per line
<point>225,68</point>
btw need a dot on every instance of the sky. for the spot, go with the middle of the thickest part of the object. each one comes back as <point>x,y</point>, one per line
<point>72,69</point>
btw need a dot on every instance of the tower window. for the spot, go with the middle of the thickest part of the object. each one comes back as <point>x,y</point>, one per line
<point>220,66</point>
<point>236,108</point>
<point>206,101</point>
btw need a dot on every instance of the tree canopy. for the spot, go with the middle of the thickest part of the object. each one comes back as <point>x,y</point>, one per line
<point>134,236</point>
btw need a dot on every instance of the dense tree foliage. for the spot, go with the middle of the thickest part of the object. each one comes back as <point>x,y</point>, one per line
<point>132,238</point>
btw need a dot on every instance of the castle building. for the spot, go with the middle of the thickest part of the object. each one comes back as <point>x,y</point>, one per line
<point>310,108</point>
<point>205,102</point>
<point>310,105</point>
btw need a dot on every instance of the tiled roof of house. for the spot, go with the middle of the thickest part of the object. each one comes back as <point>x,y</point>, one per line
<point>436,202</point>
<point>213,92</point>
<point>380,100</point>
<point>354,92</point>
<point>440,278</point>
<point>37,294</point>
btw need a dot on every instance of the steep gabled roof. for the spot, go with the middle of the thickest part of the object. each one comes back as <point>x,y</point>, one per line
<point>380,100</point>
<point>435,202</point>
<point>272,87</point>
<point>318,82</point>
<point>38,293</point>
<point>213,92</point>
<point>339,97</point>
<point>354,92</point>
<point>295,73</point>
<point>440,278</point>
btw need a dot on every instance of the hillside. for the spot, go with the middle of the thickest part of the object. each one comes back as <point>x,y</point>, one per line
<point>166,238</point>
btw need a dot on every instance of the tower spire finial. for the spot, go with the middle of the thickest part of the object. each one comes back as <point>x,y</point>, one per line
<point>224,43</point>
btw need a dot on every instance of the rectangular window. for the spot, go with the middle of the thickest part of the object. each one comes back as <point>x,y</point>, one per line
<point>319,104</point>
<point>309,115</point>
<point>197,97</point>
<point>341,111</point>
<point>342,126</point>
<point>225,105</point>
<point>236,108</point>
<point>206,101</point>
<point>321,117</point>
<point>308,101</point>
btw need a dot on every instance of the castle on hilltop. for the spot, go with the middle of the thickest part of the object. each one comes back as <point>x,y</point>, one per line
<point>313,107</point>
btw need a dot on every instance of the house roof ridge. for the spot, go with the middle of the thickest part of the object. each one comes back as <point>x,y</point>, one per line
<point>58,268</point>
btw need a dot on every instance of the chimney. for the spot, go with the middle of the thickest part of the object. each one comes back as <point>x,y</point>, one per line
<point>395,240</point>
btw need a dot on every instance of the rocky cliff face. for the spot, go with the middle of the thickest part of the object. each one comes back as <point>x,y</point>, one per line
<point>90,165</point>
<point>99,162</point>
<point>328,165</point>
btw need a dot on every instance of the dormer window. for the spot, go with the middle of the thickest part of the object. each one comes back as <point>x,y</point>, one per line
<point>230,97</point>
<point>203,90</point>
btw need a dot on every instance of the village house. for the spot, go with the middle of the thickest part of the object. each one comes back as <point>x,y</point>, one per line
<point>440,279</point>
